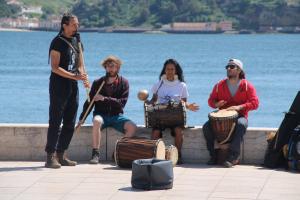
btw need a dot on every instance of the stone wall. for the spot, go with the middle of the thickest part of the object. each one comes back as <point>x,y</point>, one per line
<point>27,142</point>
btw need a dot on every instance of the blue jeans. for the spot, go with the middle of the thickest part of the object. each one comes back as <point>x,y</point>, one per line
<point>235,143</point>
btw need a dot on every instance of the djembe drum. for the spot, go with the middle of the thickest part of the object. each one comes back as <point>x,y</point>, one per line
<point>223,124</point>
<point>129,149</point>
<point>165,115</point>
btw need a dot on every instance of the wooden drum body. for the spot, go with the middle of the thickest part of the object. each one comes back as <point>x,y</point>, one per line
<point>129,149</point>
<point>164,115</point>
<point>223,123</point>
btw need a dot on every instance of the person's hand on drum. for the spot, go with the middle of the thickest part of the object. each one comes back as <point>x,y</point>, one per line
<point>220,103</point>
<point>192,106</point>
<point>152,100</point>
<point>236,108</point>
<point>99,97</point>
<point>147,102</point>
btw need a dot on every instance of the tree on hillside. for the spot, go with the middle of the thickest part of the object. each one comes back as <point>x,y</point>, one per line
<point>8,10</point>
<point>167,9</point>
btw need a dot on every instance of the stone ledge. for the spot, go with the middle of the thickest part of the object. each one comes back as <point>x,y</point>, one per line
<point>27,142</point>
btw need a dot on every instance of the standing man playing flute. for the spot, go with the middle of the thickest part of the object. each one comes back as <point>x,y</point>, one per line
<point>66,70</point>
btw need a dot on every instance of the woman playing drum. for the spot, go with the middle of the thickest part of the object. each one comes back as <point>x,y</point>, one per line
<point>233,93</point>
<point>171,88</point>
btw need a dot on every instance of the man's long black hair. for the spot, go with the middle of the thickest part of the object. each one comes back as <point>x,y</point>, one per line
<point>66,18</point>
<point>178,69</point>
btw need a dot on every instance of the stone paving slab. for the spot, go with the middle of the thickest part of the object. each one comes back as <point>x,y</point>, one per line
<point>30,180</point>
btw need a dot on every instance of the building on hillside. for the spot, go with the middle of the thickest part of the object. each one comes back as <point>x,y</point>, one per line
<point>20,22</point>
<point>225,25</point>
<point>198,27</point>
<point>32,10</point>
<point>53,23</point>
<point>15,2</point>
<point>31,23</point>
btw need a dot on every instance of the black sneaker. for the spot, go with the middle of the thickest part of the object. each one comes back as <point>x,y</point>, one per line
<point>212,161</point>
<point>95,157</point>
<point>229,164</point>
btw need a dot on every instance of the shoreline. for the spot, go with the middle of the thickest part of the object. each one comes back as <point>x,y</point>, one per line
<point>134,31</point>
<point>14,30</point>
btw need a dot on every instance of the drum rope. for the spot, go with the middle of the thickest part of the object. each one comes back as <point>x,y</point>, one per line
<point>229,135</point>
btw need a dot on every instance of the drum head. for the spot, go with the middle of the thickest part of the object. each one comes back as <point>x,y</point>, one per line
<point>160,150</point>
<point>223,114</point>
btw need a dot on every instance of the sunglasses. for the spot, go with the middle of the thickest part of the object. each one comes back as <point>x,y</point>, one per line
<point>231,67</point>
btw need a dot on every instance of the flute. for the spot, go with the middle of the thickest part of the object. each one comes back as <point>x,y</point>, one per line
<point>88,109</point>
<point>81,59</point>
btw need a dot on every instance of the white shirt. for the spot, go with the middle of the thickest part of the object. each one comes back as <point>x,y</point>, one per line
<point>170,90</point>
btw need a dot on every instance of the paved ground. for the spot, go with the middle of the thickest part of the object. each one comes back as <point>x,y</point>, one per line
<point>30,180</point>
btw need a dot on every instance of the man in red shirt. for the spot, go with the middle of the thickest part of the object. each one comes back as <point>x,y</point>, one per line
<point>231,93</point>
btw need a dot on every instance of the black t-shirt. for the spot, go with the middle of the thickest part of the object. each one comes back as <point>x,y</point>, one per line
<point>69,56</point>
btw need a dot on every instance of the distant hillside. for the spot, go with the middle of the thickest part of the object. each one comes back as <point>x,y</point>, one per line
<point>245,14</point>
